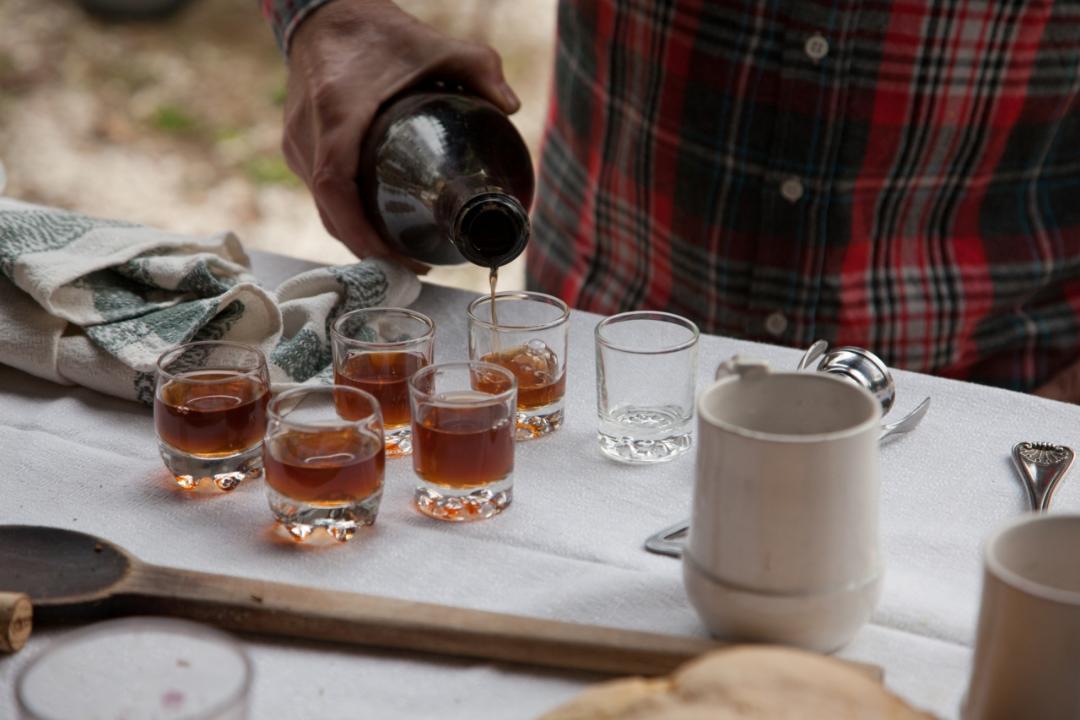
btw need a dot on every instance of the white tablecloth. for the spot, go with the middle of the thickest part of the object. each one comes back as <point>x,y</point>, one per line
<point>569,547</point>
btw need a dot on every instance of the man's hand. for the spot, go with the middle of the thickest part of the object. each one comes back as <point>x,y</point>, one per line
<point>346,60</point>
<point>1065,386</point>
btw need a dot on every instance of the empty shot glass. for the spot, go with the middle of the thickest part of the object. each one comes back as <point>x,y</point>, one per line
<point>377,350</point>
<point>324,467</point>
<point>646,365</point>
<point>210,413</point>
<point>526,333</point>
<point>137,668</point>
<point>463,439</point>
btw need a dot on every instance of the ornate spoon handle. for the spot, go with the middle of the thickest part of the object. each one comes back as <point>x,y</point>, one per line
<point>1041,466</point>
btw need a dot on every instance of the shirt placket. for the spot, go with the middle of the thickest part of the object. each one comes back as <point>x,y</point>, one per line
<point>783,298</point>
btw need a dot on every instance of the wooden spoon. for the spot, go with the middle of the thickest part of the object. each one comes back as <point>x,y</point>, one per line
<point>74,576</point>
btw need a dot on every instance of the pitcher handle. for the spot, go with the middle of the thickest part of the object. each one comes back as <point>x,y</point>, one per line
<point>670,541</point>
<point>743,367</point>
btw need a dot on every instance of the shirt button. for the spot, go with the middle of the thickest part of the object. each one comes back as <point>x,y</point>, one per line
<point>816,47</point>
<point>776,324</point>
<point>791,189</point>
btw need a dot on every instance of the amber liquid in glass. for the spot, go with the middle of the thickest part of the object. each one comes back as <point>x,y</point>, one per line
<point>386,376</point>
<point>540,382</point>
<point>211,413</point>
<point>326,466</point>
<point>463,447</point>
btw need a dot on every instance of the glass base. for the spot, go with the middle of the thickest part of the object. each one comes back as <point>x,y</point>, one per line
<point>399,442</point>
<point>644,434</point>
<point>465,504</point>
<point>538,423</point>
<point>222,473</point>
<point>654,450</point>
<point>340,521</point>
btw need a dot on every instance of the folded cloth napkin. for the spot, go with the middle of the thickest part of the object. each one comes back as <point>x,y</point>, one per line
<point>93,302</point>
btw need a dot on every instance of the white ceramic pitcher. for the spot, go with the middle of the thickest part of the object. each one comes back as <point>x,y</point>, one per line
<point>783,542</point>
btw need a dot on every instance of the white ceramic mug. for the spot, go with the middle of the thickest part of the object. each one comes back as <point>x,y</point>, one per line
<point>783,542</point>
<point>1027,647</point>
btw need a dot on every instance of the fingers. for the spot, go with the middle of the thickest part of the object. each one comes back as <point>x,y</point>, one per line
<point>323,149</point>
<point>297,135</point>
<point>479,68</point>
<point>340,208</point>
<point>330,174</point>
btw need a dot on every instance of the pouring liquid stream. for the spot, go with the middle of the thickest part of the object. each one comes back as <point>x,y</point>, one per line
<point>493,280</point>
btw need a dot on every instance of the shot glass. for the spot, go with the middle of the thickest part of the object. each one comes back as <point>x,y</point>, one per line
<point>137,668</point>
<point>210,413</point>
<point>526,333</point>
<point>646,364</point>
<point>463,439</point>
<point>324,466</point>
<point>377,350</point>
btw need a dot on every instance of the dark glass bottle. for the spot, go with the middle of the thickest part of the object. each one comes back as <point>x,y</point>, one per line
<point>446,178</point>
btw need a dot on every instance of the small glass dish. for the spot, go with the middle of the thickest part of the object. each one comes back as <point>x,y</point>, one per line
<point>137,668</point>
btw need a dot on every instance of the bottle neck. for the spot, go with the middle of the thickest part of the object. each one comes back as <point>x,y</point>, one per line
<point>488,227</point>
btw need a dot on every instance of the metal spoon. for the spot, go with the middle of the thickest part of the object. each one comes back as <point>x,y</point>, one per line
<point>907,423</point>
<point>1041,466</point>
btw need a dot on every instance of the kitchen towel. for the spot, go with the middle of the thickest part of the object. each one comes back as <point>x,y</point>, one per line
<point>86,301</point>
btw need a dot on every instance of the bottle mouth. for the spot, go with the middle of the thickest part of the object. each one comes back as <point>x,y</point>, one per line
<point>492,229</point>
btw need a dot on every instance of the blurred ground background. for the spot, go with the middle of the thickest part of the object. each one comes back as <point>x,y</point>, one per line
<point>177,123</point>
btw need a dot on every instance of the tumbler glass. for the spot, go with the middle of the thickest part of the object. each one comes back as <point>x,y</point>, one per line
<point>526,333</point>
<point>377,350</point>
<point>463,439</point>
<point>210,413</point>
<point>324,465</point>
<point>137,668</point>
<point>646,366</point>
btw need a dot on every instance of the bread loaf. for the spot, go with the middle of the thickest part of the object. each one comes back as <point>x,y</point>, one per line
<point>750,682</point>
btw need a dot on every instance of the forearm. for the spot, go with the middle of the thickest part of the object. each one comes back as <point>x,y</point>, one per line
<point>285,16</point>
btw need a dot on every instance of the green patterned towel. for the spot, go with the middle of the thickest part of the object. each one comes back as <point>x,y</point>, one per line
<point>94,302</point>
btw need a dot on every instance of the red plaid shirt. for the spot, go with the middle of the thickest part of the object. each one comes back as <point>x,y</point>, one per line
<point>902,175</point>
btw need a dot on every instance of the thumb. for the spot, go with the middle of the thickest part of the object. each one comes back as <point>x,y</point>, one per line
<point>479,68</point>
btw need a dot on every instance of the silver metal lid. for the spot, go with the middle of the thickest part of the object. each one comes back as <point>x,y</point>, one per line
<point>860,366</point>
